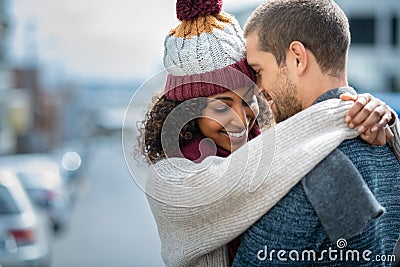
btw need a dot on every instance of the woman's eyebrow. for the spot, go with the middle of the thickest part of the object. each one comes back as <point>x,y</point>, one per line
<point>226,98</point>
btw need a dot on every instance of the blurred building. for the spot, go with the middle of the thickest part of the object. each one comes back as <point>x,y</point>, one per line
<point>28,114</point>
<point>3,28</point>
<point>15,103</point>
<point>374,55</point>
<point>7,140</point>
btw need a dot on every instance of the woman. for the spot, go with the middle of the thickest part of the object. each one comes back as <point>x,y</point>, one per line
<point>202,196</point>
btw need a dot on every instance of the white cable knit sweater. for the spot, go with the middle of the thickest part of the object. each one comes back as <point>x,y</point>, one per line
<point>199,208</point>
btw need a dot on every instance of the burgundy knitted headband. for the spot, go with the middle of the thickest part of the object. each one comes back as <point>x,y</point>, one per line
<point>232,77</point>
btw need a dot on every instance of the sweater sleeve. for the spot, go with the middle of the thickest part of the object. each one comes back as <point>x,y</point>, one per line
<point>395,142</point>
<point>199,208</point>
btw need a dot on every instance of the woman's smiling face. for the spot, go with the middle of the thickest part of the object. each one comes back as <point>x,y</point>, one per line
<point>228,117</point>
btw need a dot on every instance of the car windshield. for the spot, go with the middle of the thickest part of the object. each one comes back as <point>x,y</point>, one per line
<point>7,203</point>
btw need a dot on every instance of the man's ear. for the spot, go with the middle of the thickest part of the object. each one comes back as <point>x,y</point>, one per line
<point>299,57</point>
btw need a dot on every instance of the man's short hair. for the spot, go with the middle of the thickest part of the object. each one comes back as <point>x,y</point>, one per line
<point>320,25</point>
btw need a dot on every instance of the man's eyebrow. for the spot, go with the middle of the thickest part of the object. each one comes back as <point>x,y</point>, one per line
<point>252,65</point>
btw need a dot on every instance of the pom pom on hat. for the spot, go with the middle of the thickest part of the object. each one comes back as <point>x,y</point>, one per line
<point>191,9</point>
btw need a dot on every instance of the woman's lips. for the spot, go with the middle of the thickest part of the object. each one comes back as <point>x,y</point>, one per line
<point>237,137</point>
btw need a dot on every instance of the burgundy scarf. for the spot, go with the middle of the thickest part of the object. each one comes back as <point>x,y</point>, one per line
<point>197,151</point>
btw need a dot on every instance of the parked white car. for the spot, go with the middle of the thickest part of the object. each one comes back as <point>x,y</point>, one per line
<point>25,234</point>
<point>41,178</point>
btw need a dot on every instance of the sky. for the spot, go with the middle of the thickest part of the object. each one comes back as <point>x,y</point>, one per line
<point>116,39</point>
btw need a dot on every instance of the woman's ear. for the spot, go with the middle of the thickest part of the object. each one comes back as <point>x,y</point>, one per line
<point>298,55</point>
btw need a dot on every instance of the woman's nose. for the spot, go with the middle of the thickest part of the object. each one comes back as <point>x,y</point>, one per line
<point>240,118</point>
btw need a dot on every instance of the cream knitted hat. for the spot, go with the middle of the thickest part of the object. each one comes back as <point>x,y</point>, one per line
<point>205,54</point>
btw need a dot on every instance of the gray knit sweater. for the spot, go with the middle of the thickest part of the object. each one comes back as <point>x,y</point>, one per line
<point>199,208</point>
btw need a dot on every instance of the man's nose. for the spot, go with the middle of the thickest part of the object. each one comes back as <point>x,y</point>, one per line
<point>259,85</point>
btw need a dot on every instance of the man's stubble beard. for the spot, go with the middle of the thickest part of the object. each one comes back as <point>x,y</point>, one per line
<point>286,102</point>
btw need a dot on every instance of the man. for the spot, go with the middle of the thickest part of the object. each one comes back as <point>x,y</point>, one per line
<point>298,48</point>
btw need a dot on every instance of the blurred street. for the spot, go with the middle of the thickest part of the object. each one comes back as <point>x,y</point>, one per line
<point>111,222</point>
<point>74,74</point>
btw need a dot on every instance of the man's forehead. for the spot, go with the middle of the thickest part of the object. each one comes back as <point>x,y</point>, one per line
<point>252,47</point>
<point>252,57</point>
<point>252,40</point>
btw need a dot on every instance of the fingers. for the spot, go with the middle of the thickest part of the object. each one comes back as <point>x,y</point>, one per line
<point>366,109</point>
<point>380,137</point>
<point>369,137</point>
<point>377,138</point>
<point>348,97</point>
<point>371,116</point>
<point>357,107</point>
<point>389,134</point>
<point>384,121</point>
<point>368,112</point>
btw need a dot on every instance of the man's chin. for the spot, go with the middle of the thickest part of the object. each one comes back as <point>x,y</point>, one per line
<point>279,116</point>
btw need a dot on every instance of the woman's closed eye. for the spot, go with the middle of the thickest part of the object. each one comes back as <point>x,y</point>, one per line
<point>221,109</point>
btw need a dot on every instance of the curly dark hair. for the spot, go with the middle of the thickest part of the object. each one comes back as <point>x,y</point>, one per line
<point>156,143</point>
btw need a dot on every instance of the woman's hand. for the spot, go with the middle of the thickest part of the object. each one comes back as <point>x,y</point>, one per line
<point>371,117</point>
